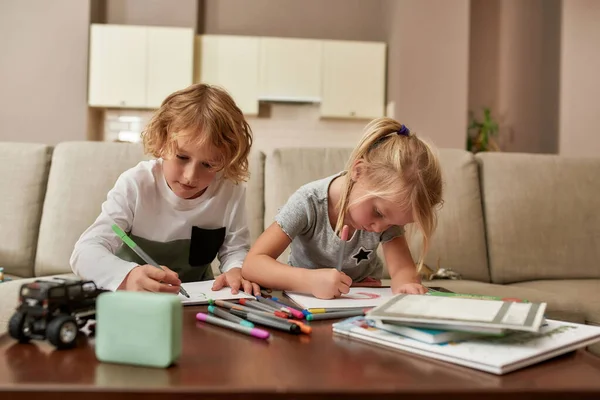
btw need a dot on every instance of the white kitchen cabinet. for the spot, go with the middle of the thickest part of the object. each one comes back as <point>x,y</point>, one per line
<point>353,79</point>
<point>138,66</point>
<point>117,66</point>
<point>231,62</point>
<point>170,62</point>
<point>290,69</point>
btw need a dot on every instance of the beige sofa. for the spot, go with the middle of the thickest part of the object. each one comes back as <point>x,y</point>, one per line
<point>515,225</point>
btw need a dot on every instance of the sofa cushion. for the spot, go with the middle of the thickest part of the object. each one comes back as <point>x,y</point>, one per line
<point>542,216</point>
<point>459,242</point>
<point>81,175</point>
<point>586,292</point>
<point>563,308</point>
<point>23,176</point>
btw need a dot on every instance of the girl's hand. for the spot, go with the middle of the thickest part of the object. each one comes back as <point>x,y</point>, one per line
<point>233,278</point>
<point>329,283</point>
<point>147,278</point>
<point>408,288</point>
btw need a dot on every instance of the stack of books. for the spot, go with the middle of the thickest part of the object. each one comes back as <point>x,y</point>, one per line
<point>482,332</point>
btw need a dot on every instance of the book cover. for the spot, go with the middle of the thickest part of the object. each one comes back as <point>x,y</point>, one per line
<point>460,312</point>
<point>497,355</point>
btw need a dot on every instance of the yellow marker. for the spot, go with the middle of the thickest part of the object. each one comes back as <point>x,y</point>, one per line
<point>317,310</point>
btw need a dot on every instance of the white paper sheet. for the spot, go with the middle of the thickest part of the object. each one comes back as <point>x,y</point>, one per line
<point>201,292</point>
<point>359,297</point>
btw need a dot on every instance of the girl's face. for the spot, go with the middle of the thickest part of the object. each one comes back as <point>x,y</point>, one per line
<point>374,214</point>
<point>190,170</point>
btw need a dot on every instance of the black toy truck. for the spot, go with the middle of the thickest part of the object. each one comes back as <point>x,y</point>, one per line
<point>54,310</point>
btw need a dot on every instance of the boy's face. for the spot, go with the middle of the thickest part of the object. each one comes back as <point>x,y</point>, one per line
<point>190,170</point>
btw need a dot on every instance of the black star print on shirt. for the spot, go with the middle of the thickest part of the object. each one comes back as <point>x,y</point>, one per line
<point>362,254</point>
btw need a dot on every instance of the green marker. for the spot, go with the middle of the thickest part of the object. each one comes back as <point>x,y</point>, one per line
<point>127,240</point>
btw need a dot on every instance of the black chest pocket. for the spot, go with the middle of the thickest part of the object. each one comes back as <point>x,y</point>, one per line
<point>204,245</point>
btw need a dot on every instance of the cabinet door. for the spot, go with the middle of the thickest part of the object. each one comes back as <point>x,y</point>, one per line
<point>232,63</point>
<point>353,79</point>
<point>290,69</point>
<point>117,70</point>
<point>170,62</point>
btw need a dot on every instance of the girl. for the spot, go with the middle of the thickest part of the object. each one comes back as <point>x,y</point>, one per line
<point>183,208</point>
<point>392,179</point>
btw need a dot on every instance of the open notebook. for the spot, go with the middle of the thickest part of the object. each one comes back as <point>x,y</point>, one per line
<point>359,297</point>
<point>201,293</point>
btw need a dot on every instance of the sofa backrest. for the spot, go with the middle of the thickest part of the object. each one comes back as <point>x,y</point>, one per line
<point>542,216</point>
<point>23,176</point>
<point>286,169</point>
<point>459,242</point>
<point>80,177</point>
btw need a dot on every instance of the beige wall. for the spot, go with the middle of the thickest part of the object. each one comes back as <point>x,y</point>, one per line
<point>579,120</point>
<point>43,72</point>
<point>181,13</point>
<point>319,19</point>
<point>427,53</point>
<point>428,67</point>
<point>514,61</point>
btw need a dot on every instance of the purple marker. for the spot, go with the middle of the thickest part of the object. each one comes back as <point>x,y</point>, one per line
<point>258,333</point>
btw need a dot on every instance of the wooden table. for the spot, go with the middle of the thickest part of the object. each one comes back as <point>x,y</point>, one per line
<point>221,364</point>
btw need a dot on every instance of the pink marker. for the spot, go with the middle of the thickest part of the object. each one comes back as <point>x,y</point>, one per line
<point>258,333</point>
<point>344,238</point>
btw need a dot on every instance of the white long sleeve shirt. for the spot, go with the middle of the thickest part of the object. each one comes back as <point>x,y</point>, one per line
<point>142,204</point>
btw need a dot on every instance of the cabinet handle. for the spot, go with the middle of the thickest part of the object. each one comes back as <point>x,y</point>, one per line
<point>352,113</point>
<point>122,102</point>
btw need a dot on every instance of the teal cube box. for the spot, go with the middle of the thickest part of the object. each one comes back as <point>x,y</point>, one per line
<point>138,328</point>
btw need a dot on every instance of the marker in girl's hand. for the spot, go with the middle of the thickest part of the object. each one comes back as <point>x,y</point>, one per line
<point>344,238</point>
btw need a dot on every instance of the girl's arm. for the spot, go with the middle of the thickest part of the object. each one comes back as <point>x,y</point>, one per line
<point>401,266</point>
<point>261,265</point>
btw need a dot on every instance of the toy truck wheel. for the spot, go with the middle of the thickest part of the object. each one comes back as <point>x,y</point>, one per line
<point>62,332</point>
<point>16,327</point>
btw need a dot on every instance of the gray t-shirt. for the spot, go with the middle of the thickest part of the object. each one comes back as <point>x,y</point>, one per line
<point>305,219</point>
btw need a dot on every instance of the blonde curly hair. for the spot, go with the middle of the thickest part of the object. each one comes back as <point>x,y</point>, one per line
<point>202,114</point>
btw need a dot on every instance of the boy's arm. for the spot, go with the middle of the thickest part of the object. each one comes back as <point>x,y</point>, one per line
<point>237,237</point>
<point>93,256</point>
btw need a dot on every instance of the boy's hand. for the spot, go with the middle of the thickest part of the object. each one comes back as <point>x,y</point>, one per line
<point>329,283</point>
<point>147,278</point>
<point>408,288</point>
<point>233,278</point>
